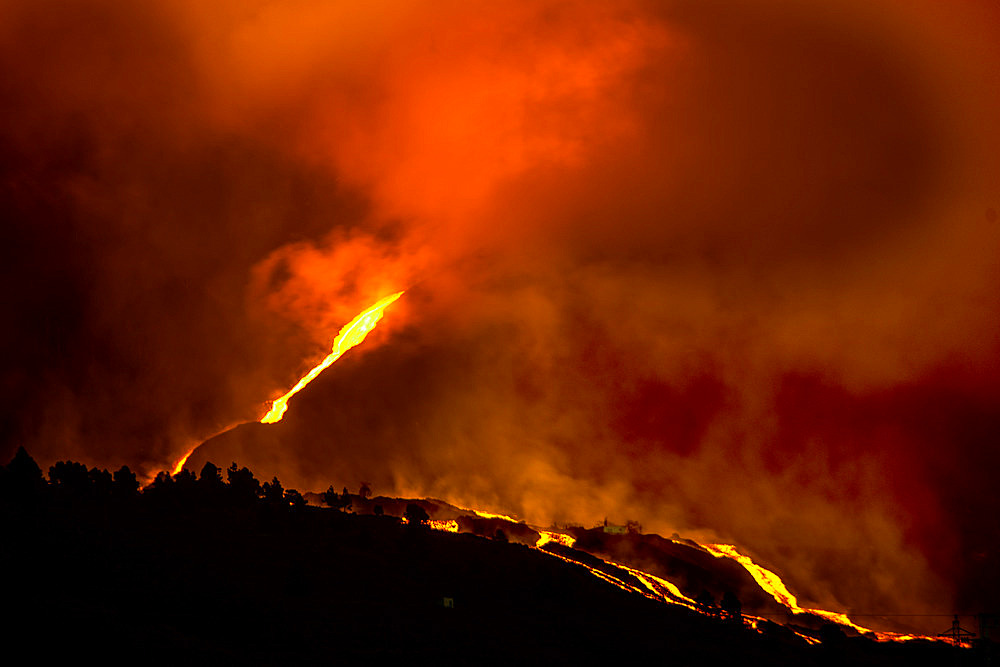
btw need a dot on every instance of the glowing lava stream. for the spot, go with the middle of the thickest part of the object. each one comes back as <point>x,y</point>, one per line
<point>182,460</point>
<point>546,536</point>
<point>491,515</point>
<point>661,590</point>
<point>352,334</point>
<point>658,589</point>
<point>665,591</point>
<point>775,587</point>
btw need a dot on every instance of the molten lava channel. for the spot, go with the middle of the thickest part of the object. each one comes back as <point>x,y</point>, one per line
<point>772,584</point>
<point>353,333</point>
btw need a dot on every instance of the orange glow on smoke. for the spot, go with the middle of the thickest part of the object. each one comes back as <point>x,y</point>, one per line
<point>352,334</point>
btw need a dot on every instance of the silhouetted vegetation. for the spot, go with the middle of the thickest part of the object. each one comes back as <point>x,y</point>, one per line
<point>337,501</point>
<point>706,603</point>
<point>21,481</point>
<point>416,515</point>
<point>732,609</point>
<point>197,568</point>
<point>273,493</point>
<point>243,486</point>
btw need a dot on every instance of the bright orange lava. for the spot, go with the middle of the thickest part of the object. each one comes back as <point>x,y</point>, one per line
<point>775,587</point>
<point>491,515</point>
<point>352,334</point>
<point>182,460</point>
<point>444,525</point>
<point>546,536</point>
<point>449,526</point>
<point>666,591</point>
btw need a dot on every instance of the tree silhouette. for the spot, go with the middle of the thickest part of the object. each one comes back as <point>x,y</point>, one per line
<point>70,480</point>
<point>273,492</point>
<point>100,483</point>
<point>186,482</point>
<point>706,603</point>
<point>22,479</point>
<point>416,515</point>
<point>337,502</point>
<point>365,491</point>
<point>210,488</point>
<point>732,608</point>
<point>294,499</point>
<point>124,484</point>
<point>210,476</point>
<point>243,486</point>
<point>161,483</point>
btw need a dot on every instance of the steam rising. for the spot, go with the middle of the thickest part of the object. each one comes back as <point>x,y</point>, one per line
<point>725,269</point>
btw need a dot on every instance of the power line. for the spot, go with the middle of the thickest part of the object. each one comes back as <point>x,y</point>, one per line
<point>852,614</point>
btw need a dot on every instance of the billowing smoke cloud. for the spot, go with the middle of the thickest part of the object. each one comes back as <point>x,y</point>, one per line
<point>727,269</point>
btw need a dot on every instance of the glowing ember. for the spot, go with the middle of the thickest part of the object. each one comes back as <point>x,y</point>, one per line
<point>352,334</point>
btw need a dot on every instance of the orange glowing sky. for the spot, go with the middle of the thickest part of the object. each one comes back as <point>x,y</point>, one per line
<point>729,269</point>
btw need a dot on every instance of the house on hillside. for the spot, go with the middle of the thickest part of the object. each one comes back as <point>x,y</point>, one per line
<point>629,527</point>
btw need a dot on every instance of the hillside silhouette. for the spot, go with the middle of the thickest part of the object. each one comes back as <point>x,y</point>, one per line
<point>220,567</point>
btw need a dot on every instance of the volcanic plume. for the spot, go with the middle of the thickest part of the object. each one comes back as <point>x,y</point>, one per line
<point>727,269</point>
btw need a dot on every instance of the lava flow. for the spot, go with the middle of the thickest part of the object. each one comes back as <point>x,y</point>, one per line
<point>352,334</point>
<point>179,465</point>
<point>546,536</point>
<point>772,584</point>
<point>658,588</point>
<point>655,587</point>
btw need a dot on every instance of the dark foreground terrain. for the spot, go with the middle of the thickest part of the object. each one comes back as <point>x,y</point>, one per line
<point>193,572</point>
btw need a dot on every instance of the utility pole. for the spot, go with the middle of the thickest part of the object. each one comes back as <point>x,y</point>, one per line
<point>957,633</point>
